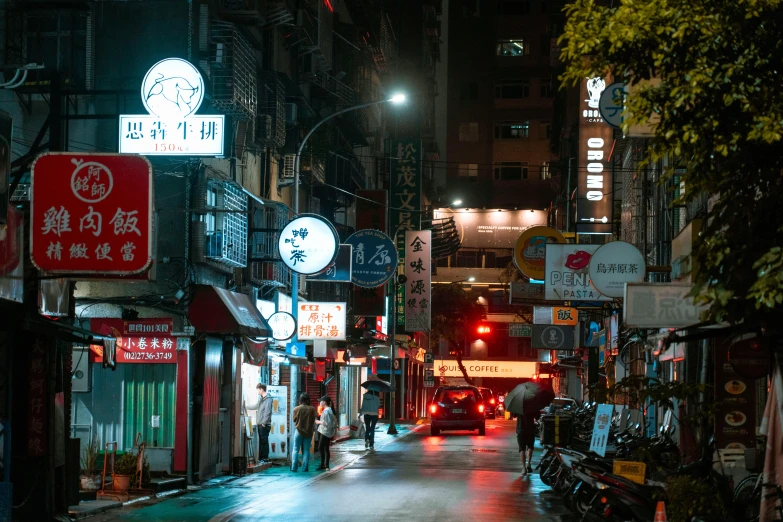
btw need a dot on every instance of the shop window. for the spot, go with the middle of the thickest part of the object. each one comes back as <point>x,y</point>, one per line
<point>507,130</point>
<point>468,132</point>
<point>468,171</point>
<point>546,88</point>
<point>512,89</point>
<point>511,170</point>
<point>512,48</point>
<point>468,91</point>
<point>467,260</point>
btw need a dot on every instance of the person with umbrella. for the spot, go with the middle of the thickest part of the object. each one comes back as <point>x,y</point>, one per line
<point>526,440</point>
<point>526,400</point>
<point>370,405</point>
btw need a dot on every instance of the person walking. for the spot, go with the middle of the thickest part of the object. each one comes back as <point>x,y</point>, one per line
<point>263,422</point>
<point>327,427</point>
<point>526,436</point>
<point>304,421</point>
<point>370,405</point>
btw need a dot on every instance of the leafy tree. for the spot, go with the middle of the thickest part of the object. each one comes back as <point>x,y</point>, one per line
<point>721,118</point>
<point>454,313</point>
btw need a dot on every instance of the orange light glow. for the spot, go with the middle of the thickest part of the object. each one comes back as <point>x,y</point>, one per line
<point>433,408</point>
<point>483,329</point>
<point>481,408</point>
<point>492,401</point>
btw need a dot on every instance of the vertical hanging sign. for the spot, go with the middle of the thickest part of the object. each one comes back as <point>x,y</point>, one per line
<point>418,287</point>
<point>594,182</point>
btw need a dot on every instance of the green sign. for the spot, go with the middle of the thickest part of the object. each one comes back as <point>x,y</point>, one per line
<point>519,330</point>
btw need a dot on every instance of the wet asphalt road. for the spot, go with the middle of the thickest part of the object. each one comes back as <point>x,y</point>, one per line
<point>457,476</point>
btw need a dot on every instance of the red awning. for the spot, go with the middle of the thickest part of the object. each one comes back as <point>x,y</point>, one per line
<point>219,311</point>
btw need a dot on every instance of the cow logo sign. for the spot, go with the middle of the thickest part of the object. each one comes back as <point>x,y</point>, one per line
<point>172,89</point>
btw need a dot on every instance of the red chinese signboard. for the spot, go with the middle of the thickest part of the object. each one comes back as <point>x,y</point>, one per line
<point>139,341</point>
<point>91,213</point>
<point>36,401</point>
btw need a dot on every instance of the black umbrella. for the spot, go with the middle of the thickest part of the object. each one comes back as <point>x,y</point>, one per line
<point>528,398</point>
<point>377,385</point>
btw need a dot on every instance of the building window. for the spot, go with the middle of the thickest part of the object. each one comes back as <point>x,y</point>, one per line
<point>468,132</point>
<point>468,91</point>
<point>545,172</point>
<point>468,171</point>
<point>512,130</point>
<point>546,88</point>
<point>511,170</point>
<point>513,7</point>
<point>545,130</point>
<point>59,39</point>
<point>510,48</point>
<point>511,89</point>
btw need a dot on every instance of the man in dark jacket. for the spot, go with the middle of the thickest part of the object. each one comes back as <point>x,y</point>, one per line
<point>263,422</point>
<point>304,421</point>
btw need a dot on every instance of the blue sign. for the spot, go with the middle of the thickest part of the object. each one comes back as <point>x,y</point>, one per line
<point>296,349</point>
<point>612,103</point>
<point>374,258</point>
<point>603,421</point>
<point>340,270</point>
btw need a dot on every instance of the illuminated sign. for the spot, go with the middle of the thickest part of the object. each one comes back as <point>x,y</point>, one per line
<point>321,321</point>
<point>418,288</point>
<point>172,91</point>
<point>491,228</point>
<point>567,273</point>
<point>283,325</point>
<point>615,264</point>
<point>514,369</point>
<point>594,182</point>
<point>308,244</point>
<point>530,250</point>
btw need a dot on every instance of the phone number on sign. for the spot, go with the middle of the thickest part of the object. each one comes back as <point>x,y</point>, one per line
<point>147,356</point>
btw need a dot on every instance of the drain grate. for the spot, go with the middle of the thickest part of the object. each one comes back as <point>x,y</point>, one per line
<point>484,451</point>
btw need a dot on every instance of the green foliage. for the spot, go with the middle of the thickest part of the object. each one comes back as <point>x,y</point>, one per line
<point>721,119</point>
<point>688,497</point>
<point>126,465</point>
<point>89,457</point>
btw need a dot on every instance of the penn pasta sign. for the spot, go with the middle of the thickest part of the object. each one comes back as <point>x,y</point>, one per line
<point>91,214</point>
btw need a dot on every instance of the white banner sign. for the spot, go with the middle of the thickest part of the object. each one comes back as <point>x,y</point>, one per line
<point>615,264</point>
<point>151,136</point>
<point>515,369</point>
<point>659,305</point>
<point>567,273</point>
<point>324,321</point>
<point>418,288</point>
<point>278,435</point>
<point>308,244</point>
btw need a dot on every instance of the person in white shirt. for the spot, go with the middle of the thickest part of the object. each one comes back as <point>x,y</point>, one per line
<point>327,427</point>
<point>370,405</point>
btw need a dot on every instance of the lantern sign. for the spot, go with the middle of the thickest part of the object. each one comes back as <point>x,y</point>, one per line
<point>283,325</point>
<point>613,265</point>
<point>172,91</point>
<point>91,213</point>
<point>308,244</point>
<point>321,321</point>
<point>374,258</point>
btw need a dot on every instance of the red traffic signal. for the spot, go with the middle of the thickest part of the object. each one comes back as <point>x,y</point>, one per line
<point>483,329</point>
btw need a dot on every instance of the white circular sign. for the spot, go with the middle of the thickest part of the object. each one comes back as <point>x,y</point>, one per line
<point>615,264</point>
<point>172,89</point>
<point>308,244</point>
<point>283,325</point>
<point>612,103</point>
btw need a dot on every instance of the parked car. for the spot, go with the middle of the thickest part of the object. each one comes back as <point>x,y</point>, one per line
<point>490,403</point>
<point>457,408</point>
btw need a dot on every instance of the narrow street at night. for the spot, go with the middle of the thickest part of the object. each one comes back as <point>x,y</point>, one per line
<point>457,476</point>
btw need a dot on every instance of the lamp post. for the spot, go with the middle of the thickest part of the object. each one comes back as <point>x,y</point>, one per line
<point>397,99</point>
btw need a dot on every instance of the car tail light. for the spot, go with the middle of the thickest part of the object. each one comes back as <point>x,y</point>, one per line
<point>433,408</point>
<point>481,408</point>
<point>608,512</point>
<point>492,401</point>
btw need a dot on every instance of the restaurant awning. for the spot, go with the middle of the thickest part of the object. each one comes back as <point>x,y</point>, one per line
<point>219,311</point>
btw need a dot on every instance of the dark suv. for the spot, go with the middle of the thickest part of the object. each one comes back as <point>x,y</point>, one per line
<point>457,408</point>
<point>489,402</point>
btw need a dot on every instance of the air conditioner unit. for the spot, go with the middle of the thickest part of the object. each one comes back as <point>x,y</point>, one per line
<point>288,167</point>
<point>290,113</point>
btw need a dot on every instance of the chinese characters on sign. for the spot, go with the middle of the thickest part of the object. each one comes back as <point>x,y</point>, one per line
<point>140,341</point>
<point>519,330</point>
<point>283,325</point>
<point>615,264</point>
<point>308,244</point>
<point>555,315</point>
<point>603,421</point>
<point>340,270</point>
<point>406,184</point>
<point>418,287</point>
<point>374,258</point>
<point>172,91</point>
<point>659,305</point>
<point>321,321</point>
<point>91,213</point>
<point>36,401</point>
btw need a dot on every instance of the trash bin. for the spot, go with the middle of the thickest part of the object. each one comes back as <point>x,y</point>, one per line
<point>240,466</point>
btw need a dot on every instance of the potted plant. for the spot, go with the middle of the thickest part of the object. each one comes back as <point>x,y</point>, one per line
<point>124,471</point>
<point>89,460</point>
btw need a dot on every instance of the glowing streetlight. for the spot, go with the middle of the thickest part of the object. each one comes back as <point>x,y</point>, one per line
<point>456,203</point>
<point>398,98</point>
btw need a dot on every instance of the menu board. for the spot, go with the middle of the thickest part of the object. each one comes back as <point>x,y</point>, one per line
<point>735,420</point>
<point>278,435</point>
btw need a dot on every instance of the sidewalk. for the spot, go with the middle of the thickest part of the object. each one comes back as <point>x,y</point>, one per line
<point>344,452</point>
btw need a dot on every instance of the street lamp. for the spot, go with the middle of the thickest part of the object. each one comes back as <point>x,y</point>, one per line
<point>456,203</point>
<point>396,99</point>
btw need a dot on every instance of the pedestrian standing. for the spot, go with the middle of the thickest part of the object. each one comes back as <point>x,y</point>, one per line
<point>526,441</point>
<point>304,421</point>
<point>263,422</point>
<point>327,427</point>
<point>370,405</point>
